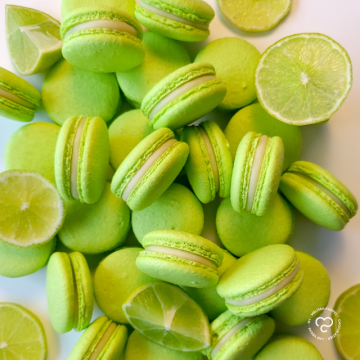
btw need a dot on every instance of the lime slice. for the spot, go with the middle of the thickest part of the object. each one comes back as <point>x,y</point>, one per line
<point>168,316</point>
<point>347,306</point>
<point>22,335</point>
<point>31,210</point>
<point>254,16</point>
<point>33,39</point>
<point>303,79</point>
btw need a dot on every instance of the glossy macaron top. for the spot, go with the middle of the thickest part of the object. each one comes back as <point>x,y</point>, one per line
<point>209,166</point>
<point>82,158</point>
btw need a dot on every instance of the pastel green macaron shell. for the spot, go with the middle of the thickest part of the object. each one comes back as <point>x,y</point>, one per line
<point>93,158</point>
<point>255,118</point>
<point>116,277</point>
<point>191,105</point>
<point>242,233</point>
<point>269,176</point>
<point>95,228</point>
<point>176,209</point>
<point>289,347</point>
<point>245,342</point>
<point>19,87</point>
<point>69,292</point>
<point>102,49</point>
<point>160,175</point>
<point>196,11</point>
<point>70,91</point>
<point>32,147</point>
<point>300,185</point>
<point>162,57</point>
<point>16,262</point>
<point>198,166</point>
<point>103,338</point>
<point>258,272</point>
<point>235,61</point>
<point>313,294</point>
<point>175,269</point>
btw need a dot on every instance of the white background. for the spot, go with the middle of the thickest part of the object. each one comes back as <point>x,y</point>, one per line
<point>334,146</point>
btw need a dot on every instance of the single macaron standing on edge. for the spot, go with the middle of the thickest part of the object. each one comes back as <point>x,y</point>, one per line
<point>235,337</point>
<point>184,96</point>
<point>82,159</point>
<point>69,291</point>
<point>18,98</point>
<point>256,174</point>
<point>209,165</point>
<point>180,20</point>
<point>180,258</point>
<point>149,169</point>
<point>261,280</point>
<point>318,195</point>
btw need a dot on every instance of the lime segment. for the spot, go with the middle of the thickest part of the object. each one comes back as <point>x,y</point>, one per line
<point>168,316</point>
<point>22,335</point>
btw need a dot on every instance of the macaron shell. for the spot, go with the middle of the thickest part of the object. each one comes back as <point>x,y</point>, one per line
<point>13,111</point>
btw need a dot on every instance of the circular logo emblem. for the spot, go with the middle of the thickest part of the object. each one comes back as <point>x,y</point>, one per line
<point>320,327</point>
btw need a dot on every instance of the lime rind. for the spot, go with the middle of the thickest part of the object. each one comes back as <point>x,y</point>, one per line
<point>311,86</point>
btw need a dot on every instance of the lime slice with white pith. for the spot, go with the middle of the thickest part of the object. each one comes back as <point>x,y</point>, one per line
<point>303,79</point>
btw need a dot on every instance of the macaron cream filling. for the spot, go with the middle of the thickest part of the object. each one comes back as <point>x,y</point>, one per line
<point>16,99</point>
<point>181,90</point>
<point>170,16</point>
<point>264,295</point>
<point>145,167</point>
<point>256,170</point>
<point>103,341</point>
<point>182,254</point>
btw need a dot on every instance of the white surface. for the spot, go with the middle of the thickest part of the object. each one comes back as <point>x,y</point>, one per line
<point>335,146</point>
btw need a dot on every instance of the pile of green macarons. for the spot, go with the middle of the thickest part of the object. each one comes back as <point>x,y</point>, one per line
<point>142,180</point>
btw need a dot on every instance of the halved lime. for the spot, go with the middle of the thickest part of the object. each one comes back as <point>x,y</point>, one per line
<point>347,322</point>
<point>167,315</point>
<point>33,39</point>
<point>22,335</point>
<point>303,79</point>
<point>254,16</point>
<point>31,210</point>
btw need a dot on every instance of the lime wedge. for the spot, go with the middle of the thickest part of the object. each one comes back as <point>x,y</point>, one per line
<point>33,39</point>
<point>31,210</point>
<point>347,306</point>
<point>22,335</point>
<point>254,16</point>
<point>168,316</point>
<point>303,79</point>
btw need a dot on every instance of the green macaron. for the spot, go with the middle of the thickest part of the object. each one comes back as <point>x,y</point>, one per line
<point>69,91</point>
<point>261,280</point>
<point>235,337</point>
<point>256,174</point>
<point>318,195</point>
<point>255,118</point>
<point>115,279</point>
<point>95,228</point>
<point>103,339</point>
<point>181,20</point>
<point>125,132</point>
<point>180,258</point>
<point>209,166</point>
<point>149,169</point>
<point>82,159</point>
<point>176,209</point>
<point>101,38</point>
<point>312,295</point>
<point>69,291</point>
<point>242,233</point>
<point>235,61</point>
<point>184,96</point>
<point>162,57</point>
<point>32,148</point>
<point>289,347</point>
<point>18,98</point>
